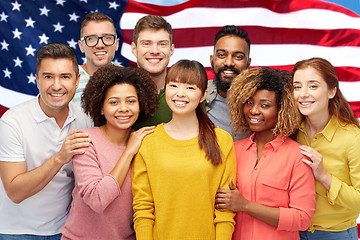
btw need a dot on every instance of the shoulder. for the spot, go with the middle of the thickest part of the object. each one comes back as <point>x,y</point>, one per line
<point>212,91</point>
<point>224,138</point>
<point>81,118</point>
<point>21,112</point>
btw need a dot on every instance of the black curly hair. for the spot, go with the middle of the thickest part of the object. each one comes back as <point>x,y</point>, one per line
<point>92,99</point>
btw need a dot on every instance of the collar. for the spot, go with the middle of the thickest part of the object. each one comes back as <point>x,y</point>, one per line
<point>274,144</point>
<point>329,130</point>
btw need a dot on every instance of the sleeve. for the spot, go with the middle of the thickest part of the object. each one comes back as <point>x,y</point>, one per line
<point>11,148</point>
<point>340,192</point>
<point>143,202</point>
<point>224,219</point>
<point>302,200</point>
<point>96,190</point>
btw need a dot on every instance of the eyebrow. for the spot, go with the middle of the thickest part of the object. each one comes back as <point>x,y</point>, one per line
<point>223,50</point>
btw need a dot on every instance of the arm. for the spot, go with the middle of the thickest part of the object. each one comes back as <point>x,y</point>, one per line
<point>234,201</point>
<point>143,202</point>
<point>97,190</point>
<point>224,218</point>
<point>21,184</point>
<point>121,168</point>
<point>343,189</point>
<point>294,218</point>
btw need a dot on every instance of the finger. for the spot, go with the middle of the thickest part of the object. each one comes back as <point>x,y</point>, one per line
<point>222,191</point>
<point>309,163</point>
<point>231,184</point>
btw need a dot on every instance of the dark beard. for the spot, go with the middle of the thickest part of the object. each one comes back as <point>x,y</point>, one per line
<point>222,85</point>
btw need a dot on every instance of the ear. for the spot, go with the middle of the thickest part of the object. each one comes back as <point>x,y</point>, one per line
<point>37,81</point>
<point>77,81</point>
<point>133,49</point>
<point>81,46</point>
<point>204,96</point>
<point>172,49</point>
<point>249,63</point>
<point>332,93</point>
<point>117,44</point>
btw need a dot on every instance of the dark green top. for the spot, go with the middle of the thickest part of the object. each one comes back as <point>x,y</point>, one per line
<point>162,115</point>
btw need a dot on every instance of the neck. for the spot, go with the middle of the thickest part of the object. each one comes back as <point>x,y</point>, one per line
<point>262,138</point>
<point>118,137</point>
<point>60,115</point>
<point>316,124</point>
<point>159,80</point>
<point>89,69</point>
<point>222,93</point>
<point>183,127</point>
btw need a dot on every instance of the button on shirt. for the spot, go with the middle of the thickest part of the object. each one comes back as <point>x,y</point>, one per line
<point>280,180</point>
<point>339,144</point>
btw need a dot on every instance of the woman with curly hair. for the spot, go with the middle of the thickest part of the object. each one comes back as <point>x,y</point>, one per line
<point>275,194</point>
<point>330,135</point>
<point>102,198</point>
<point>179,167</point>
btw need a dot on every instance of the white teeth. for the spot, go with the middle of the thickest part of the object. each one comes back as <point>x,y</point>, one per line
<point>154,60</point>
<point>305,103</point>
<point>99,53</point>
<point>56,94</point>
<point>255,120</point>
<point>228,72</point>
<point>123,118</point>
<point>180,103</point>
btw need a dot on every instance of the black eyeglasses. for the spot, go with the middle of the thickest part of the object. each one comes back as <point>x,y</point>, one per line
<point>92,41</point>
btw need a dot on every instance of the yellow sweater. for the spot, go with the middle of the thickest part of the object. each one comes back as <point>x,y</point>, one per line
<point>174,188</point>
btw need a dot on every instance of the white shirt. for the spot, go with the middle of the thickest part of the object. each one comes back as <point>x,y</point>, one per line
<point>27,134</point>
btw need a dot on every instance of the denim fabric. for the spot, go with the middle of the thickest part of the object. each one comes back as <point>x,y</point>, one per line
<point>350,234</point>
<point>29,237</point>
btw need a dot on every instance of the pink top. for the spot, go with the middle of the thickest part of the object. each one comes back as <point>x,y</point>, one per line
<point>100,209</point>
<point>280,180</point>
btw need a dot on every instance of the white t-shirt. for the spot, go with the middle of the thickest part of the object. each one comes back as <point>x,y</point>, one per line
<point>27,134</point>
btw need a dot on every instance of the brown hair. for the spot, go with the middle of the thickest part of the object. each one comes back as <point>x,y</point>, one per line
<point>152,22</point>
<point>109,75</point>
<point>338,106</point>
<point>248,82</point>
<point>192,72</point>
<point>97,17</point>
<point>56,50</point>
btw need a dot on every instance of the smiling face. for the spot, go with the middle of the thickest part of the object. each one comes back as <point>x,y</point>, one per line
<point>183,98</point>
<point>260,112</point>
<point>231,56</point>
<point>100,54</point>
<point>121,107</point>
<point>153,50</point>
<point>57,82</point>
<point>312,93</point>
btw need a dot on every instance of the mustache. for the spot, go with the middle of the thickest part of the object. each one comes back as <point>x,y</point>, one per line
<point>235,70</point>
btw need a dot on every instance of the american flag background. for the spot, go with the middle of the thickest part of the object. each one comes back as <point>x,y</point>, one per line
<point>282,32</point>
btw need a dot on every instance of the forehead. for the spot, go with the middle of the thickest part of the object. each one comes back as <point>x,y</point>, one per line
<point>56,66</point>
<point>98,28</point>
<point>232,43</point>
<point>154,35</point>
<point>307,74</point>
<point>121,90</point>
<point>264,94</point>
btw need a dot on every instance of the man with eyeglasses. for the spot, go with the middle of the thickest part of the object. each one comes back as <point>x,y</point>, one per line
<point>98,40</point>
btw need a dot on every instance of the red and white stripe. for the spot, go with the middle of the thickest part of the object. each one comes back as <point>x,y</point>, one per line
<point>281,33</point>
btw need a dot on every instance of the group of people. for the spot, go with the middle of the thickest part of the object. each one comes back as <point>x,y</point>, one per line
<point>146,153</point>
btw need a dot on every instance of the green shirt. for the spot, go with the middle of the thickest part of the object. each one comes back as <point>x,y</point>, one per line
<point>162,115</point>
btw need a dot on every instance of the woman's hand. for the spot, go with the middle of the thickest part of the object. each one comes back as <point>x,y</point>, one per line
<point>136,138</point>
<point>230,199</point>
<point>316,165</point>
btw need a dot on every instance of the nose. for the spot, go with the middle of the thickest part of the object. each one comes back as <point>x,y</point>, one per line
<point>56,84</point>
<point>122,106</point>
<point>254,110</point>
<point>229,61</point>
<point>304,92</point>
<point>100,43</point>
<point>180,92</point>
<point>154,48</point>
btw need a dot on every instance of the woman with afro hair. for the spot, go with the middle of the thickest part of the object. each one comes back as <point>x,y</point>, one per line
<point>275,193</point>
<point>102,199</point>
